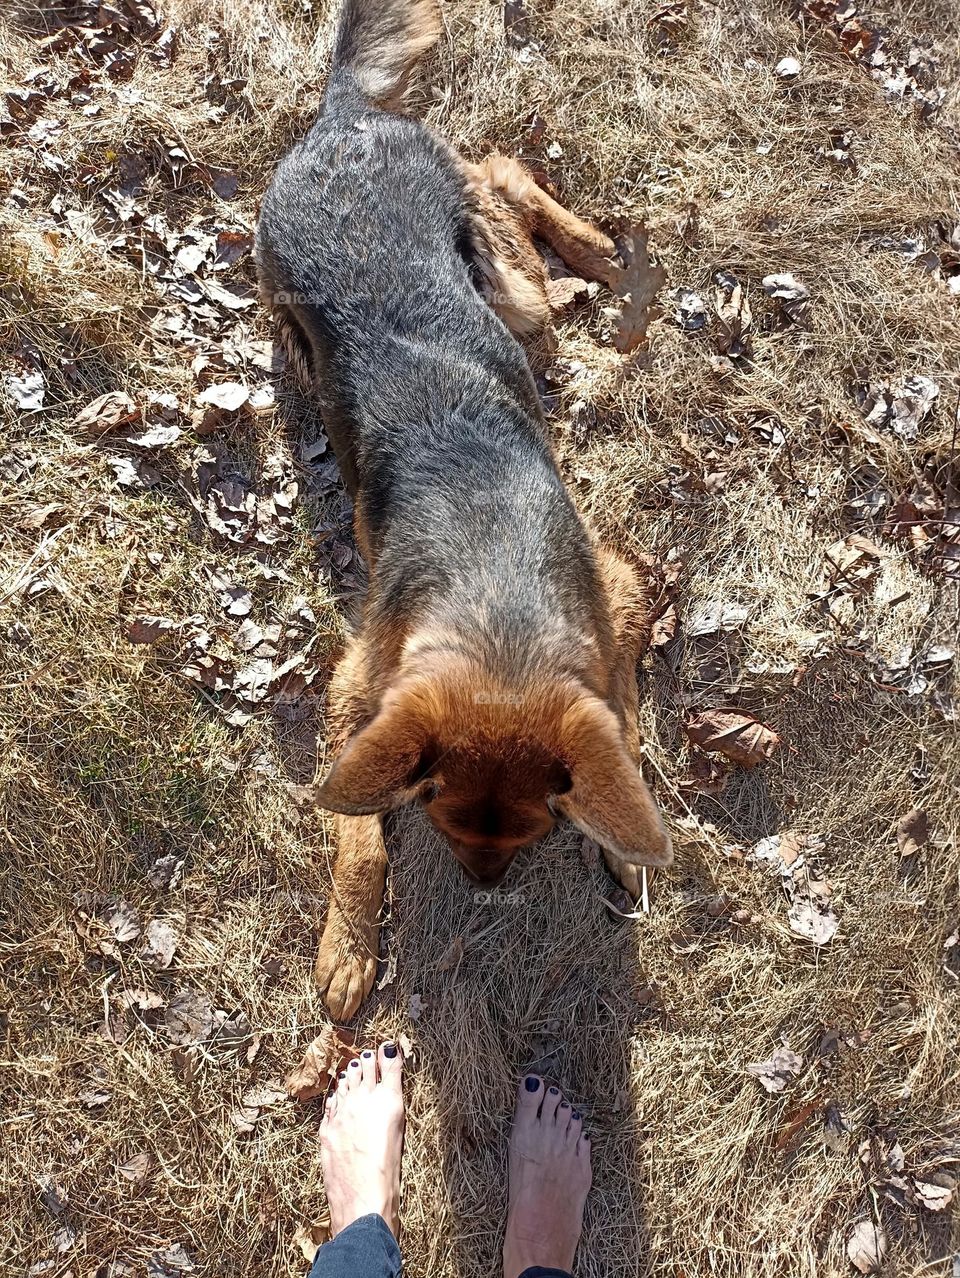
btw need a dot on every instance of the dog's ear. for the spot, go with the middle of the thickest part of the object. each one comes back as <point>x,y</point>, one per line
<point>608,799</point>
<point>384,766</point>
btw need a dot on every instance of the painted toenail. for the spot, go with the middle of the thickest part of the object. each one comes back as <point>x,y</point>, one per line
<point>354,1064</point>
<point>554,1091</point>
<point>564,1105</point>
<point>530,1083</point>
<point>577,1115</point>
<point>368,1056</point>
<point>342,1074</point>
<point>389,1050</point>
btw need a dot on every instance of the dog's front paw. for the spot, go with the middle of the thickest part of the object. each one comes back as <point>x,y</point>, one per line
<point>346,964</point>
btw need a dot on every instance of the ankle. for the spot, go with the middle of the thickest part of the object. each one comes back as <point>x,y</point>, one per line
<point>523,1254</point>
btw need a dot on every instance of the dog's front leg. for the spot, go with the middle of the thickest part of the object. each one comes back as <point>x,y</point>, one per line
<point>628,599</point>
<point>347,960</point>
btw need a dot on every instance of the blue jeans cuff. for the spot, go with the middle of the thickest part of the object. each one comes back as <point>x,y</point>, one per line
<point>538,1271</point>
<point>365,1249</point>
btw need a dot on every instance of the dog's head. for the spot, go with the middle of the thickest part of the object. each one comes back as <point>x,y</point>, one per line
<point>495,768</point>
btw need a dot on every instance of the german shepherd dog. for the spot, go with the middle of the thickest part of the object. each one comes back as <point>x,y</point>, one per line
<point>493,677</point>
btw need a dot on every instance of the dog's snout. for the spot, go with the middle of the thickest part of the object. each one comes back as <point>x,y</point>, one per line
<point>483,866</point>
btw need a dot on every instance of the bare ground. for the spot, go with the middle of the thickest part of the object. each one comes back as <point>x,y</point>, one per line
<point>140,1127</point>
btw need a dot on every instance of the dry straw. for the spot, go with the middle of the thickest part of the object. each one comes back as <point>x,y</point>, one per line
<point>110,762</point>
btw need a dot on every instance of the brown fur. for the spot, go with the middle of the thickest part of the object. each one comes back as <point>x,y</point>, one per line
<point>439,730</point>
<point>510,210</point>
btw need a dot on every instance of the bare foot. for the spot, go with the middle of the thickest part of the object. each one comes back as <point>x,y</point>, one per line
<point>361,1140</point>
<point>549,1181</point>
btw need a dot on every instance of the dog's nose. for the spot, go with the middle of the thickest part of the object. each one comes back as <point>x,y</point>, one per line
<point>487,876</point>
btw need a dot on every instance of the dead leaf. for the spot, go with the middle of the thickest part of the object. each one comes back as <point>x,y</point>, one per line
<point>689,309</point>
<point>189,1018</point>
<point>733,733</point>
<point>26,392</point>
<point>235,600</point>
<point>157,435</point>
<point>106,922</point>
<point>141,1000</point>
<point>256,1098</point>
<point>663,619</point>
<point>867,1246</point>
<point>453,956</point>
<point>901,407</point>
<point>150,629</point>
<point>782,1067</point>
<point>705,776</point>
<point>416,1006</point>
<point>931,1196</point>
<point>37,516</point>
<point>228,396</point>
<point>166,872</point>
<point>637,284</point>
<point>134,474</point>
<point>715,618</point>
<point>810,919</point>
<point>736,319</point>
<point>64,1238</point>
<point>172,1262</point>
<point>913,831</point>
<point>310,1237</point>
<point>564,292</point>
<point>106,413</point>
<point>327,1055</point>
<point>792,297</point>
<point>794,857</point>
<point>854,561</point>
<point>159,945</point>
<point>53,1196</point>
<point>95,1097</point>
<point>136,1168</point>
<point>238,298</point>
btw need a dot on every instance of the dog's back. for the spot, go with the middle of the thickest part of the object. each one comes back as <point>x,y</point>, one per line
<point>428,400</point>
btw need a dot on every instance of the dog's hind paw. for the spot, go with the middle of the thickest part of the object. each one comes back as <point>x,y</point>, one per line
<point>346,966</point>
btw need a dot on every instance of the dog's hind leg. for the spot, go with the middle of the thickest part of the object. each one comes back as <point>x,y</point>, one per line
<point>585,249</point>
<point>511,273</point>
<point>347,958</point>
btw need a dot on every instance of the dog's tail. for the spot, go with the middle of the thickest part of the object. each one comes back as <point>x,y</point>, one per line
<point>379,42</point>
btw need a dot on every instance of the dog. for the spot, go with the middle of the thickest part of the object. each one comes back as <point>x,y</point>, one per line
<point>493,675</point>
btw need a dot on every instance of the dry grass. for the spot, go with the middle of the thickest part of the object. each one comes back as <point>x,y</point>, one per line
<point>109,760</point>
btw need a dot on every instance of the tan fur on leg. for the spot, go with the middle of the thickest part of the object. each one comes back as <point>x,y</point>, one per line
<point>514,278</point>
<point>628,599</point>
<point>583,248</point>
<point>347,959</point>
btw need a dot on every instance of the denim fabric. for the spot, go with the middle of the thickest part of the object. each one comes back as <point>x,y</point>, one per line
<point>365,1249</point>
